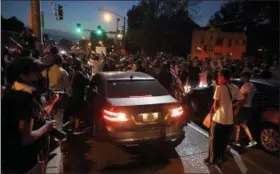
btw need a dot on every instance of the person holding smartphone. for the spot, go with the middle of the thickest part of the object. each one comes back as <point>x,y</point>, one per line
<point>20,147</point>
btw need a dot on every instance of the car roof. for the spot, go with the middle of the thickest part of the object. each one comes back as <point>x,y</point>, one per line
<point>269,82</point>
<point>123,75</point>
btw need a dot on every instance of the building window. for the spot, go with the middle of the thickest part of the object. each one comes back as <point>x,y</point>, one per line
<point>218,54</point>
<point>220,42</point>
<point>244,42</point>
<point>202,41</point>
<point>229,43</point>
<point>236,42</point>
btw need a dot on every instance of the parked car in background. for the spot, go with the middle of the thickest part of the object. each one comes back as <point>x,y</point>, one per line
<point>133,108</point>
<point>265,120</point>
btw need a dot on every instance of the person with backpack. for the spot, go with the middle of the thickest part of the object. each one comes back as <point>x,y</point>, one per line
<point>222,120</point>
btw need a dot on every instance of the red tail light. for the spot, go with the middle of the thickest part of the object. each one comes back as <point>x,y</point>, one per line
<point>114,116</point>
<point>177,112</point>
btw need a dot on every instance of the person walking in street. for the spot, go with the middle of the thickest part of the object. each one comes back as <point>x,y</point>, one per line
<point>222,121</point>
<point>77,103</point>
<point>244,112</point>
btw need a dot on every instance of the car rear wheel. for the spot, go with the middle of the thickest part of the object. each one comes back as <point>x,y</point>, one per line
<point>270,139</point>
<point>174,143</point>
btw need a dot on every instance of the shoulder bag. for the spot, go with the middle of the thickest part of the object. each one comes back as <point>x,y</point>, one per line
<point>208,119</point>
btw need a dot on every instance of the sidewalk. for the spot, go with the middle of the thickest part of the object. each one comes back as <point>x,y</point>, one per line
<point>55,165</point>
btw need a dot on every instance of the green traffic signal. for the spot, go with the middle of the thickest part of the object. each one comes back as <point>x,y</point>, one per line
<point>99,32</point>
<point>79,30</point>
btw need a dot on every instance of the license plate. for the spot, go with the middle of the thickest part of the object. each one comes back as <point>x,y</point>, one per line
<point>150,117</point>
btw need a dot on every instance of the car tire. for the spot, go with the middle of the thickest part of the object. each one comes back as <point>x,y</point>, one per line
<point>177,142</point>
<point>270,138</point>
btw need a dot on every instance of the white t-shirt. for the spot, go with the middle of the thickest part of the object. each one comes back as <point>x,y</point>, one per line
<point>224,114</point>
<point>248,90</point>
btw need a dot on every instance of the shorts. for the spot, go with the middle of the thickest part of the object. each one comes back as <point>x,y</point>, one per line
<point>243,116</point>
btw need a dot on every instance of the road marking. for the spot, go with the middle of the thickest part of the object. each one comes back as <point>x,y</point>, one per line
<point>237,157</point>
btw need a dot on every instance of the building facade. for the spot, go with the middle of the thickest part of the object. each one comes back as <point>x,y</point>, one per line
<point>228,44</point>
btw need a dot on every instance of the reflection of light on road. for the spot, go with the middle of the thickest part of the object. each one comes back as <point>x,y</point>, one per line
<point>238,160</point>
<point>235,154</point>
<point>191,154</point>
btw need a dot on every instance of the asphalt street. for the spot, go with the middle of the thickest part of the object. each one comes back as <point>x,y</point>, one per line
<point>85,155</point>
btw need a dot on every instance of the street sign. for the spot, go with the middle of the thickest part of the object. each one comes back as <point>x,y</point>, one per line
<point>99,50</point>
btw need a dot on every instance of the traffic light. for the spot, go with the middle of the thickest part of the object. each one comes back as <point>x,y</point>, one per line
<point>79,28</point>
<point>59,12</point>
<point>99,32</point>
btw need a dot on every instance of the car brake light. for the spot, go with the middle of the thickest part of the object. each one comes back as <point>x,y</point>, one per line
<point>176,112</point>
<point>114,116</point>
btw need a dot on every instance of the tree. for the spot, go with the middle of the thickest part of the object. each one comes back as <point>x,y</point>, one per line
<point>10,28</point>
<point>12,24</point>
<point>260,21</point>
<point>162,25</point>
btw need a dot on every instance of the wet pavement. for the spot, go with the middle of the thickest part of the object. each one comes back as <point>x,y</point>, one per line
<point>83,154</point>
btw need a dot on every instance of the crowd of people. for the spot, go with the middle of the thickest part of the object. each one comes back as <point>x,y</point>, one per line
<point>26,75</point>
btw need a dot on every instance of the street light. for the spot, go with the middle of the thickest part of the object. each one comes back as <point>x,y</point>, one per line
<point>107,17</point>
<point>111,12</point>
<point>120,36</point>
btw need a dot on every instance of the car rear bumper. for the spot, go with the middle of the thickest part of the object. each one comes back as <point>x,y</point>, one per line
<point>146,136</point>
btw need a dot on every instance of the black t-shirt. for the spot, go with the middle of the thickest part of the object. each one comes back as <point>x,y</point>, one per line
<point>184,74</point>
<point>194,73</point>
<point>166,80</point>
<point>80,81</point>
<point>141,69</point>
<point>16,106</point>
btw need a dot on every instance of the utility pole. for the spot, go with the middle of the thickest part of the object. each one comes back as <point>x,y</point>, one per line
<point>36,22</point>
<point>117,29</point>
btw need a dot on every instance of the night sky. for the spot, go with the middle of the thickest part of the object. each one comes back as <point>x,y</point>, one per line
<point>87,14</point>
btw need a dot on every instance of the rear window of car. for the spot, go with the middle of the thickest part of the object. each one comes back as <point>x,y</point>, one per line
<point>134,89</point>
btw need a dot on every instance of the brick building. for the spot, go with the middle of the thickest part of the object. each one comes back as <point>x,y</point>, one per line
<point>228,44</point>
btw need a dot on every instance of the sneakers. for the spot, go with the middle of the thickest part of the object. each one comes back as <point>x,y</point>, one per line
<point>236,143</point>
<point>207,162</point>
<point>252,143</point>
